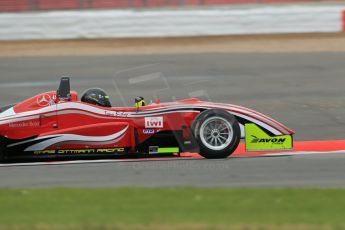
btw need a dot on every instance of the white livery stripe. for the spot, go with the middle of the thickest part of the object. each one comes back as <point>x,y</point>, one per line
<point>92,143</point>
<point>56,139</point>
<point>9,112</point>
<point>263,125</point>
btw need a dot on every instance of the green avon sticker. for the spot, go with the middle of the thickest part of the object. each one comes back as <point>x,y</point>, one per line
<point>258,140</point>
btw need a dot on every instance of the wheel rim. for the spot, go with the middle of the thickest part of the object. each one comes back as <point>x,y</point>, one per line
<point>216,133</point>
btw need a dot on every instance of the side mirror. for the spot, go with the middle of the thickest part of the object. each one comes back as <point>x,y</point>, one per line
<point>64,91</point>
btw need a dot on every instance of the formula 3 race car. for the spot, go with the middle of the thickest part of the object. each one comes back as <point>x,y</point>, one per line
<point>57,124</point>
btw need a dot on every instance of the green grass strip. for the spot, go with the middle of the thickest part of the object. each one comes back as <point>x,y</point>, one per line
<point>172,208</point>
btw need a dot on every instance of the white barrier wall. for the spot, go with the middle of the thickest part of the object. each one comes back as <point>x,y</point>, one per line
<point>171,22</point>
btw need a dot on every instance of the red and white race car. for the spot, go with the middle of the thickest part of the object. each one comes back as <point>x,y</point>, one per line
<point>57,124</point>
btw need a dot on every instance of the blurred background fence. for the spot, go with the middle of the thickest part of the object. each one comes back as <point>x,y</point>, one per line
<point>42,5</point>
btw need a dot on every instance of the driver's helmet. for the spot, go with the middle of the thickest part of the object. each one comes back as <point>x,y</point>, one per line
<point>96,97</point>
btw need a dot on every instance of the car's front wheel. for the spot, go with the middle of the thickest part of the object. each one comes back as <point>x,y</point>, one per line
<point>217,132</point>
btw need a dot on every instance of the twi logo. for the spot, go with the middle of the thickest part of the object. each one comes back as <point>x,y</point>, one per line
<point>273,140</point>
<point>153,122</point>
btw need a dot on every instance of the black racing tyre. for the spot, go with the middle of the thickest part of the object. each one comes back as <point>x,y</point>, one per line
<point>2,149</point>
<point>217,133</point>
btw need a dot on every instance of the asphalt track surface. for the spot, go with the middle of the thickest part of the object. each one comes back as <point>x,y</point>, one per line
<point>310,170</point>
<point>304,91</point>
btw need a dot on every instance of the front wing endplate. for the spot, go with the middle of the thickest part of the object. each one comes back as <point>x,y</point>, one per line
<point>258,140</point>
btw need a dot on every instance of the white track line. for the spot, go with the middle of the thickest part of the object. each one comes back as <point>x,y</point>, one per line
<point>95,161</point>
<point>303,153</point>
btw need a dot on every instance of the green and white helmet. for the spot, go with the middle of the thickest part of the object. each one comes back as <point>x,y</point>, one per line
<point>96,97</point>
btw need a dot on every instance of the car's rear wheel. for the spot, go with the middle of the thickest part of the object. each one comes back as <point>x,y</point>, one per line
<point>217,132</point>
<point>2,149</point>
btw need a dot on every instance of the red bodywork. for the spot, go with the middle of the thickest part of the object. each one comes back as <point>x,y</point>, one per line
<point>44,123</point>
